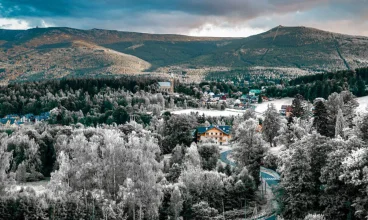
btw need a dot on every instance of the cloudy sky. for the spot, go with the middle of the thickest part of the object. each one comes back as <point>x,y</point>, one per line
<point>232,18</point>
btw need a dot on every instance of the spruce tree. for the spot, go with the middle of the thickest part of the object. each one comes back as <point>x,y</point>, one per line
<point>360,87</point>
<point>364,128</point>
<point>320,121</point>
<point>340,124</point>
<point>271,124</point>
<point>259,99</point>
<point>176,202</point>
<point>297,109</point>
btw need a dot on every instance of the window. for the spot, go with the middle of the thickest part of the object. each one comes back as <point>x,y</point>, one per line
<point>206,133</point>
<point>220,134</point>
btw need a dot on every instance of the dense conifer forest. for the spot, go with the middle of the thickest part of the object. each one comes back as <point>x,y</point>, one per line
<point>322,85</point>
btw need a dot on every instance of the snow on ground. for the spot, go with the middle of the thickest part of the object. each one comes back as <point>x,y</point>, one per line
<point>262,107</point>
<point>39,187</point>
<point>363,104</point>
<point>224,148</point>
<point>213,113</point>
<point>276,150</point>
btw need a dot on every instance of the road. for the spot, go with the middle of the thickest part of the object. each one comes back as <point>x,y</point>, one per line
<point>267,175</point>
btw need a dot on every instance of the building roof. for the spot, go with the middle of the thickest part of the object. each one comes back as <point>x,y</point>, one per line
<point>5,120</point>
<point>28,115</point>
<point>244,97</point>
<point>164,84</point>
<point>255,91</point>
<point>224,128</point>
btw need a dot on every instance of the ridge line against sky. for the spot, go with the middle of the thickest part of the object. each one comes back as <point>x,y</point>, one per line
<point>217,18</point>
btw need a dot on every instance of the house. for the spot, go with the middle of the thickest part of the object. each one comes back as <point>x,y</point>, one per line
<point>244,98</point>
<point>254,92</point>
<point>259,128</point>
<point>220,134</point>
<point>286,110</point>
<point>12,116</point>
<point>254,99</point>
<point>28,118</point>
<point>166,87</point>
<point>264,99</point>
<point>10,123</point>
<point>219,97</point>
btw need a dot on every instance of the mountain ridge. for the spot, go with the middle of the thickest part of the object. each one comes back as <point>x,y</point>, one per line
<point>288,47</point>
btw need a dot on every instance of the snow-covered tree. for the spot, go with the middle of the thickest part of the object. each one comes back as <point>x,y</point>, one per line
<point>176,202</point>
<point>349,107</point>
<point>361,122</point>
<point>297,108</point>
<point>340,124</point>
<point>298,185</point>
<point>249,147</point>
<point>192,157</point>
<point>209,153</point>
<point>355,172</point>
<point>314,217</point>
<point>270,124</point>
<point>333,105</point>
<point>5,158</point>
<point>320,121</point>
<point>291,132</point>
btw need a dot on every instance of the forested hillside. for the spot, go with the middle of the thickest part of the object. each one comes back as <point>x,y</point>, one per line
<point>322,85</point>
<point>46,53</point>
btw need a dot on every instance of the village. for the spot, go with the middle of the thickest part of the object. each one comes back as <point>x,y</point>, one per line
<point>15,121</point>
<point>221,134</point>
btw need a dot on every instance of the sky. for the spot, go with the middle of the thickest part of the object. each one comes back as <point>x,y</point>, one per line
<point>218,18</point>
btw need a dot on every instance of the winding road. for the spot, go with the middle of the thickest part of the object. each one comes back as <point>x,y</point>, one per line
<point>269,176</point>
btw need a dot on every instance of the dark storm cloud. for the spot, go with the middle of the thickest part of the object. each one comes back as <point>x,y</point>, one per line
<point>179,15</point>
<point>103,8</point>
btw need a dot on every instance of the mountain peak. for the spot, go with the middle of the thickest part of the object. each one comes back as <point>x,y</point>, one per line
<point>59,51</point>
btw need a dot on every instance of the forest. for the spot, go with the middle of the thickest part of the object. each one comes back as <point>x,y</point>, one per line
<point>323,84</point>
<point>94,162</point>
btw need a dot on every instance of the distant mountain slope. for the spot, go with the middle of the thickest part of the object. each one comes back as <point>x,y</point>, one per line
<point>76,58</point>
<point>57,52</point>
<point>293,47</point>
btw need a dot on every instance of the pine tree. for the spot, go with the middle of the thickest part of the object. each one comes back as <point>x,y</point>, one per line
<point>297,183</point>
<point>5,158</point>
<point>176,202</point>
<point>271,124</point>
<point>320,121</point>
<point>364,128</point>
<point>297,109</point>
<point>21,174</point>
<point>333,104</point>
<point>348,108</point>
<point>360,87</point>
<point>340,124</point>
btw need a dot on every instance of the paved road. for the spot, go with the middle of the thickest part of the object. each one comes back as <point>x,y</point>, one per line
<point>270,176</point>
